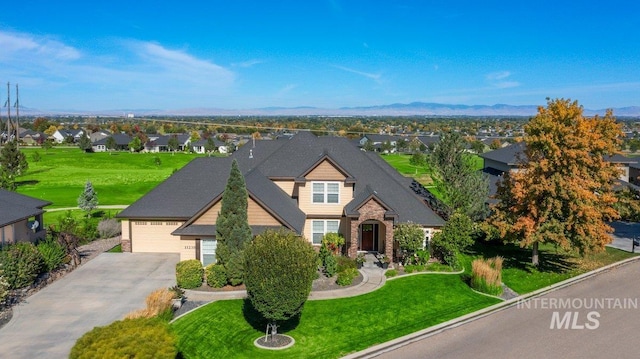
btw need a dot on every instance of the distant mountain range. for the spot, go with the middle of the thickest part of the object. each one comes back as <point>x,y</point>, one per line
<point>396,109</point>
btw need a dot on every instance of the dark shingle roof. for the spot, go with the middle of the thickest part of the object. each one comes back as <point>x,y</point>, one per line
<point>15,207</point>
<point>191,189</point>
<point>507,155</point>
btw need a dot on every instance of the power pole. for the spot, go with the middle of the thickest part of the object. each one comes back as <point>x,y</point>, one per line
<point>17,104</point>
<point>8,106</point>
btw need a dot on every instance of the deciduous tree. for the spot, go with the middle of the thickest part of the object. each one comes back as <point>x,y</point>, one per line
<point>562,191</point>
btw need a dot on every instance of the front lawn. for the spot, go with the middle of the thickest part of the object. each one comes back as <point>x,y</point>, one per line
<point>331,328</point>
<point>555,266</point>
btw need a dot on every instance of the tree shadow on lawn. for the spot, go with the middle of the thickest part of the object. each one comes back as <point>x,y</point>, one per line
<point>27,183</point>
<point>258,322</point>
<point>551,260</point>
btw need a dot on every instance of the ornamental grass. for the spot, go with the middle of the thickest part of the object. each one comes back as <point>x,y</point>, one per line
<point>486,275</point>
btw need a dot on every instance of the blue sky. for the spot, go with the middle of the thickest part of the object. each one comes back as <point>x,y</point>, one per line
<point>240,54</point>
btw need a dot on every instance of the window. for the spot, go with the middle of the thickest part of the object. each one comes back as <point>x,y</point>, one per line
<point>322,227</point>
<point>208,251</point>
<point>326,192</point>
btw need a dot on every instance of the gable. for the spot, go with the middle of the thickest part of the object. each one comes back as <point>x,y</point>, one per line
<point>325,170</point>
<point>257,215</point>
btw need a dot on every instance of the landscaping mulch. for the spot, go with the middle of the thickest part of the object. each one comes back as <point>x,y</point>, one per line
<point>275,341</point>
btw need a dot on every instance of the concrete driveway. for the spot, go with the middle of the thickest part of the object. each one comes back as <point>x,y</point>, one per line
<point>99,292</point>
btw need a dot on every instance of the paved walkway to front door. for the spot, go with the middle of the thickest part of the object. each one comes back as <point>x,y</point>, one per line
<point>97,293</point>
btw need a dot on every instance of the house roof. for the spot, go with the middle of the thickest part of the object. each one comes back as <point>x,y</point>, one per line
<point>192,188</point>
<point>507,155</point>
<point>121,139</point>
<point>16,207</point>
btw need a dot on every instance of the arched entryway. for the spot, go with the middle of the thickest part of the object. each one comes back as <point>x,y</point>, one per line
<point>371,236</point>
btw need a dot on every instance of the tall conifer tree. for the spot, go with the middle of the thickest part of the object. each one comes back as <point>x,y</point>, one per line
<point>232,226</point>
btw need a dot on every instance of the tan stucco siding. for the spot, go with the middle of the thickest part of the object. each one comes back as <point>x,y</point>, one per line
<point>155,237</point>
<point>125,229</point>
<point>306,205</point>
<point>325,171</point>
<point>16,232</point>
<point>210,216</point>
<point>286,186</point>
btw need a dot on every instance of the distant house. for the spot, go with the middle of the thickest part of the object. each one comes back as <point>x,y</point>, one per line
<point>377,141</point>
<point>20,218</point>
<point>160,143</point>
<point>310,185</point>
<point>121,140</point>
<point>201,145</point>
<point>98,135</point>
<point>30,137</point>
<point>61,135</point>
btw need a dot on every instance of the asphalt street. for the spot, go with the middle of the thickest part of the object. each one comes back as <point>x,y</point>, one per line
<point>596,318</point>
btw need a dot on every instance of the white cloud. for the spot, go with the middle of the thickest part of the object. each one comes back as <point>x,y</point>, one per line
<point>375,77</point>
<point>500,80</point>
<point>21,46</point>
<point>285,90</point>
<point>248,63</point>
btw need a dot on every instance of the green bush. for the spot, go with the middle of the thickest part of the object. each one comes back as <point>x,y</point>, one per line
<point>189,273</point>
<point>4,287</point>
<point>21,263</point>
<point>129,338</point>
<point>333,242</point>
<point>53,254</point>
<point>347,276</point>
<point>391,273</point>
<point>413,268</point>
<point>330,265</point>
<point>89,230</point>
<point>216,275</point>
<point>345,263</point>
<point>422,257</point>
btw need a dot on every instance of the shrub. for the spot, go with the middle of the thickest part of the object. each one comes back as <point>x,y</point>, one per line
<point>21,263</point>
<point>486,275</point>
<point>4,287</point>
<point>68,223</point>
<point>279,271</point>
<point>333,242</point>
<point>422,257</point>
<point>109,228</point>
<point>410,237</point>
<point>88,231</point>
<point>330,265</point>
<point>216,275</point>
<point>53,254</point>
<point>345,263</point>
<point>159,303</point>
<point>129,338</point>
<point>413,268</point>
<point>189,273</point>
<point>391,273</point>
<point>346,276</point>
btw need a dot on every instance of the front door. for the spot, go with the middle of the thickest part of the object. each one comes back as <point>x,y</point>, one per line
<point>367,243</point>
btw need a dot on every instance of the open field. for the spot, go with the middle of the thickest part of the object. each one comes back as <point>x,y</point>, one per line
<point>330,328</point>
<point>120,178</point>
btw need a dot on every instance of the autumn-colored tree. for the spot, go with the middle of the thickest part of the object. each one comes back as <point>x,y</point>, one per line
<point>562,191</point>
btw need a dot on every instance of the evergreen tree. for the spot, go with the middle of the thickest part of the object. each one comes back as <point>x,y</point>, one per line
<point>463,188</point>
<point>85,144</point>
<point>88,199</point>
<point>13,163</point>
<point>232,227</point>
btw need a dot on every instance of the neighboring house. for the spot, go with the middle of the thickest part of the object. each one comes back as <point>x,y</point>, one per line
<point>20,218</point>
<point>99,135</point>
<point>378,140</point>
<point>634,173</point>
<point>310,185</point>
<point>122,143</point>
<point>60,135</point>
<point>506,159</point>
<point>30,137</point>
<point>161,143</point>
<point>200,146</point>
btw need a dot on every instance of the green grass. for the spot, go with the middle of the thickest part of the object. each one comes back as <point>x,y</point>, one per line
<point>400,161</point>
<point>116,249</point>
<point>555,265</point>
<point>119,178</point>
<point>330,328</point>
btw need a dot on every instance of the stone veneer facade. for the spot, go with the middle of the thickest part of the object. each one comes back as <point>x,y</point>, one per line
<point>371,210</point>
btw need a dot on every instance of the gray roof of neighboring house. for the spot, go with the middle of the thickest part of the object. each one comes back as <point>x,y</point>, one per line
<point>382,138</point>
<point>121,139</point>
<point>15,207</point>
<point>507,155</point>
<point>181,196</point>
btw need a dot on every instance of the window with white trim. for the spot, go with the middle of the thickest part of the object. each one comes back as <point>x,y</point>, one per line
<point>325,192</point>
<point>208,251</point>
<point>321,227</point>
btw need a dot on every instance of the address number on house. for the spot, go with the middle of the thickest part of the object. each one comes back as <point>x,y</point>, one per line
<point>189,247</point>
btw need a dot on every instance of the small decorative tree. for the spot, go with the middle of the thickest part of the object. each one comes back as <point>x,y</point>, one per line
<point>279,271</point>
<point>410,237</point>
<point>88,199</point>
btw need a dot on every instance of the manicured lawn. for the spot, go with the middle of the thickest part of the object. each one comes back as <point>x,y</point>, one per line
<point>331,328</point>
<point>400,161</point>
<point>120,178</point>
<point>555,265</point>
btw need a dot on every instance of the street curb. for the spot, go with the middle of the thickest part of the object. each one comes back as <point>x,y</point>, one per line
<point>391,345</point>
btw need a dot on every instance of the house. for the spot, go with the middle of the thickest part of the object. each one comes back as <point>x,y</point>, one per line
<point>99,135</point>
<point>20,218</point>
<point>377,141</point>
<point>61,135</point>
<point>121,141</point>
<point>201,145</point>
<point>506,159</point>
<point>161,143</point>
<point>310,185</point>
<point>30,137</point>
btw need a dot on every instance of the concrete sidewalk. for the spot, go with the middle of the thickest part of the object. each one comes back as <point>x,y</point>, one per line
<point>372,278</point>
